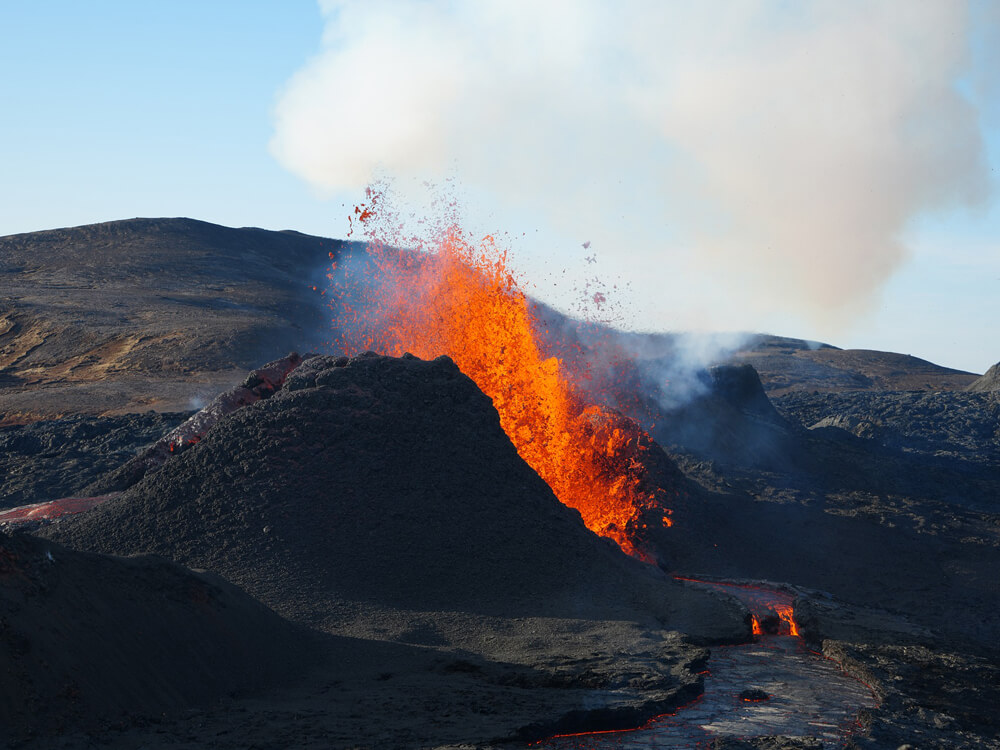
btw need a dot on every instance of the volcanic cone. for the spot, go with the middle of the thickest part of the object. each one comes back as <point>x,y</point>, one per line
<point>379,482</point>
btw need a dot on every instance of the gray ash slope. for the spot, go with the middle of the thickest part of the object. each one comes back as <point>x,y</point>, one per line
<point>988,383</point>
<point>380,482</point>
<point>89,641</point>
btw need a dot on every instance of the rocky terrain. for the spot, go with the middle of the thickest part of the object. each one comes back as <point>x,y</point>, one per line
<point>988,383</point>
<point>375,504</point>
<point>49,459</point>
<point>884,509</point>
<point>788,365</point>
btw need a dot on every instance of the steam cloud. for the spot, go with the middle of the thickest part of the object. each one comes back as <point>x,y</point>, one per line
<point>779,147</point>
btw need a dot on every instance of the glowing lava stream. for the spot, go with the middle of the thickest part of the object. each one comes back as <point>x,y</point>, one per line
<point>761,601</point>
<point>461,299</point>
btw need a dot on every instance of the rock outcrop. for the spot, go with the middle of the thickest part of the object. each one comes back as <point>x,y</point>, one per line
<point>988,383</point>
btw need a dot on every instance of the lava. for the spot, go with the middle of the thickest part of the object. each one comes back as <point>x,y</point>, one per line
<point>784,611</point>
<point>771,609</point>
<point>773,685</point>
<point>461,299</point>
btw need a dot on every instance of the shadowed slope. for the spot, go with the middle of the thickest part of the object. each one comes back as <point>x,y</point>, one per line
<point>89,639</point>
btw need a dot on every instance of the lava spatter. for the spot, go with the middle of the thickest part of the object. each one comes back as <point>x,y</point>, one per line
<point>461,298</point>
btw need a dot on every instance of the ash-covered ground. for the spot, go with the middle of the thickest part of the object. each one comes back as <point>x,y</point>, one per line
<point>416,584</point>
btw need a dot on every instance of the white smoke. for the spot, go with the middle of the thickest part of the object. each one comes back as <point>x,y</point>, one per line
<point>777,149</point>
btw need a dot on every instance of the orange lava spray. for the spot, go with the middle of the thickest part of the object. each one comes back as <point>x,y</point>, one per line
<point>460,298</point>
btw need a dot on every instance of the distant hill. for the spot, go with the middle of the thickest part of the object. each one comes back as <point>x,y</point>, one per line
<point>787,365</point>
<point>148,313</point>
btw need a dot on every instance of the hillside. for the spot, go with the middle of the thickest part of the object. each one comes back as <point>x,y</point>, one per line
<point>788,365</point>
<point>144,314</point>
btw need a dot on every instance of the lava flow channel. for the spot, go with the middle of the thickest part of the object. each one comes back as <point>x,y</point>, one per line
<point>461,299</point>
<point>773,685</point>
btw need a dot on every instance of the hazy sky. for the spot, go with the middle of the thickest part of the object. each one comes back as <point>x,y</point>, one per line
<point>825,170</point>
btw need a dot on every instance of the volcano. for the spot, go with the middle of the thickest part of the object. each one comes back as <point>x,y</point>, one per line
<point>378,498</point>
<point>443,588</point>
<point>389,483</point>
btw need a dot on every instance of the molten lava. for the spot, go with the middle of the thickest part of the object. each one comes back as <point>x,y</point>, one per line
<point>763,601</point>
<point>461,299</point>
<point>785,614</point>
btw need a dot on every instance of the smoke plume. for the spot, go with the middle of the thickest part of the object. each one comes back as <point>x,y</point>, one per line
<point>773,150</point>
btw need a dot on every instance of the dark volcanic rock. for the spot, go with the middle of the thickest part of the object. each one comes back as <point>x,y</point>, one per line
<point>58,458</point>
<point>791,365</point>
<point>89,640</point>
<point>930,695</point>
<point>930,698</point>
<point>259,384</point>
<point>389,483</point>
<point>740,386</point>
<point>767,743</point>
<point>754,694</point>
<point>947,425</point>
<point>732,422</point>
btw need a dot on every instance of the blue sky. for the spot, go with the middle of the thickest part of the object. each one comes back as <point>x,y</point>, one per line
<point>118,109</point>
